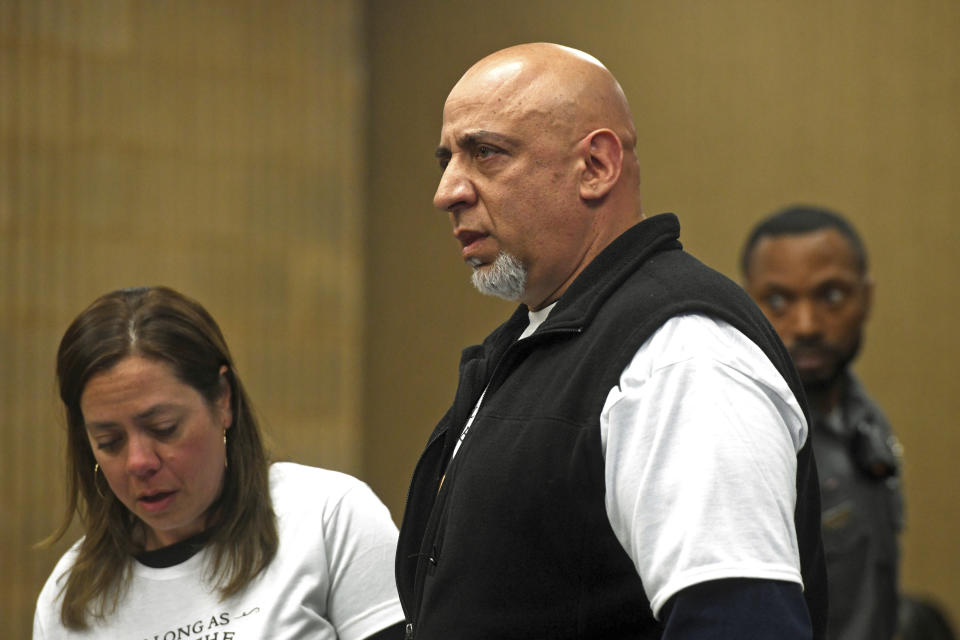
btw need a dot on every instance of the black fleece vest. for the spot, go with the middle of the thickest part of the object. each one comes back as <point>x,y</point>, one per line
<point>515,542</point>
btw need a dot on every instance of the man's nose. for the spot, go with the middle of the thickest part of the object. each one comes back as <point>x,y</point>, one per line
<point>455,190</point>
<point>806,319</point>
<point>142,458</point>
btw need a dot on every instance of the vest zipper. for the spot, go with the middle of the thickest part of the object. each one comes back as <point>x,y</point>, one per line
<point>528,344</point>
<point>497,373</point>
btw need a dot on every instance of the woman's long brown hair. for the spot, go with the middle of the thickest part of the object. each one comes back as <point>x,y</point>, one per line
<point>160,324</point>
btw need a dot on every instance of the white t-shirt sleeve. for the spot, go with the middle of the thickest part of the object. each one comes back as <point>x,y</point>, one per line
<point>700,441</point>
<point>361,543</point>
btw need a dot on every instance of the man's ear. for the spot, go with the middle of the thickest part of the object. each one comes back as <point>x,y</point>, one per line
<point>603,159</point>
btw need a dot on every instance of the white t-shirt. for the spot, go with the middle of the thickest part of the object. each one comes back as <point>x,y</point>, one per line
<point>700,440</point>
<point>700,443</point>
<point>332,577</point>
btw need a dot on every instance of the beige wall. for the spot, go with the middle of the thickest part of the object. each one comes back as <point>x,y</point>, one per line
<point>220,147</point>
<point>210,146</point>
<point>741,107</point>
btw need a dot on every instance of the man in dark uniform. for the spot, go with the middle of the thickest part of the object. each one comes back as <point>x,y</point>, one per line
<point>807,269</point>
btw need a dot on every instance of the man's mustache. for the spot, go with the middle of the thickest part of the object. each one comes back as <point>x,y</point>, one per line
<point>815,346</point>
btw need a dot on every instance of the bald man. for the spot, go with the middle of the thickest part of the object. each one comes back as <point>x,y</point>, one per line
<point>626,456</point>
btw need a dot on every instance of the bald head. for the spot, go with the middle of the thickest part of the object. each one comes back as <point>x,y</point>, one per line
<point>563,89</point>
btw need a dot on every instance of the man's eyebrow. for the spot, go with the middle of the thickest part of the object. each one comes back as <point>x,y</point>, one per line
<point>473,138</point>
<point>837,281</point>
<point>774,284</point>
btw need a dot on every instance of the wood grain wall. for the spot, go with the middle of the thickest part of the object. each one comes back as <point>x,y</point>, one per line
<point>218,146</point>
<point>741,107</point>
<point>211,146</point>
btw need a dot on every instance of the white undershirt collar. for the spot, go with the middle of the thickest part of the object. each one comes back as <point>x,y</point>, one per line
<point>537,318</point>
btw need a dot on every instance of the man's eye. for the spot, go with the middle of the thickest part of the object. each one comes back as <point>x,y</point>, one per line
<point>777,302</point>
<point>443,162</point>
<point>484,151</point>
<point>834,296</point>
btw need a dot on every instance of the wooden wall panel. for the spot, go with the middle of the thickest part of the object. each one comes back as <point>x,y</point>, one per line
<point>212,146</point>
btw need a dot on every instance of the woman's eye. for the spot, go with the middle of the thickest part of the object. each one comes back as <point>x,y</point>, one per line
<point>166,431</point>
<point>108,445</point>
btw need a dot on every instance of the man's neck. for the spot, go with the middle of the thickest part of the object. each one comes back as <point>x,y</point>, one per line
<point>825,398</point>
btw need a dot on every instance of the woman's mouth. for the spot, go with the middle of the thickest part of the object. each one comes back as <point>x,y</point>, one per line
<point>155,502</point>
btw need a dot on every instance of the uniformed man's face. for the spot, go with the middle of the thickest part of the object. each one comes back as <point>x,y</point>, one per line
<point>811,289</point>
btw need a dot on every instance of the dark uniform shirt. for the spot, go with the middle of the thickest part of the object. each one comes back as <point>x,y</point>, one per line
<point>862,514</point>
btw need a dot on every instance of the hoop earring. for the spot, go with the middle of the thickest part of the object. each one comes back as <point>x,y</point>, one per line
<point>96,468</point>
<point>226,462</point>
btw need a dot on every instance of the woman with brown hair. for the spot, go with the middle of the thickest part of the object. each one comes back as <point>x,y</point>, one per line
<point>189,530</point>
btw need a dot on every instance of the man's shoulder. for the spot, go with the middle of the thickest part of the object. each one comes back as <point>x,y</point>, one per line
<point>676,283</point>
<point>862,405</point>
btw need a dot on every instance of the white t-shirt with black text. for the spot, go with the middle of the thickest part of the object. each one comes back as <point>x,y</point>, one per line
<point>332,577</point>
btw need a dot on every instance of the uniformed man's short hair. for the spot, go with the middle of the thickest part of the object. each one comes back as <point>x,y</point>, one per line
<point>799,219</point>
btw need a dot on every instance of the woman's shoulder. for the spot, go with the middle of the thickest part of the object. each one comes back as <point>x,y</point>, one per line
<point>285,473</point>
<point>292,484</point>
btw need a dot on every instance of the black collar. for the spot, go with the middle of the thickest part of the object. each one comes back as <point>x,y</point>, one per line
<point>176,553</point>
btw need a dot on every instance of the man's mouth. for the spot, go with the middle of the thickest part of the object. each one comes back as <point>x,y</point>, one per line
<point>468,237</point>
<point>469,241</point>
<point>807,358</point>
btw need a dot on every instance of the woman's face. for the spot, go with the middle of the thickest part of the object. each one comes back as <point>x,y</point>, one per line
<point>159,444</point>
